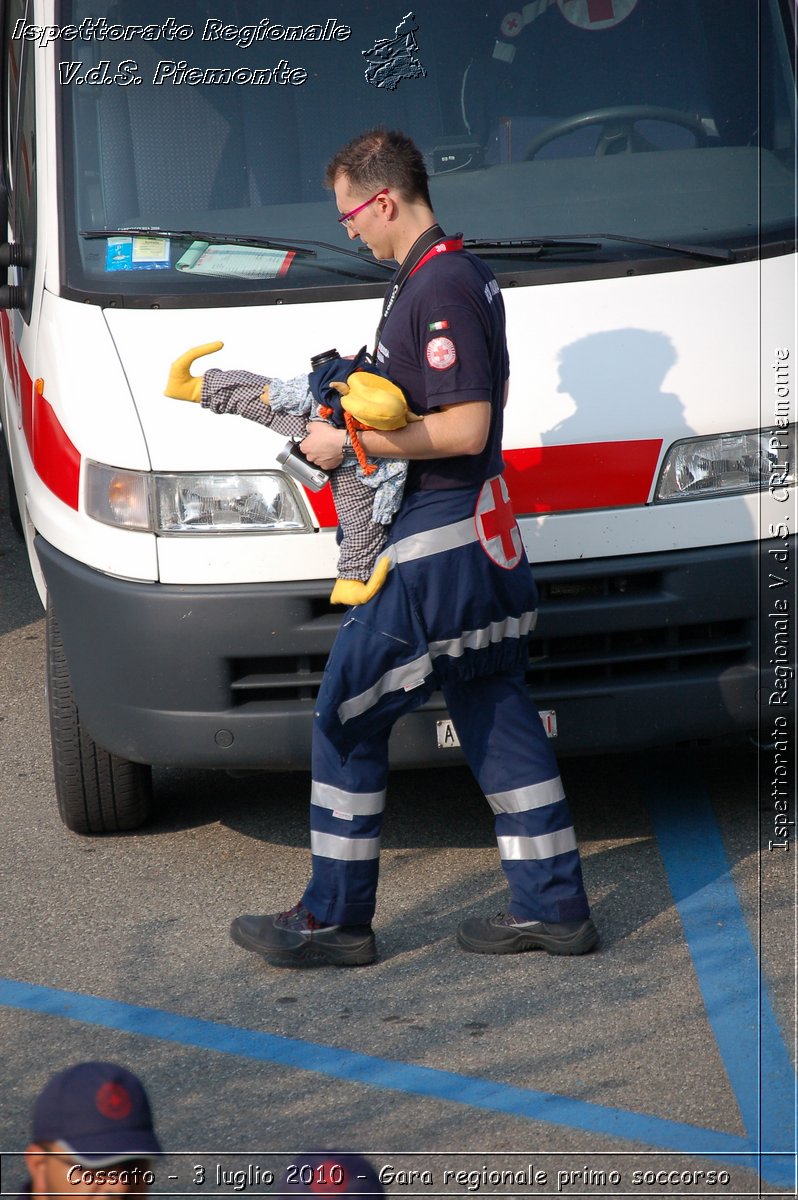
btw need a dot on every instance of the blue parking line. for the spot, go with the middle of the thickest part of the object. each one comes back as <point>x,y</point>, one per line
<point>645,1130</point>
<point>735,995</point>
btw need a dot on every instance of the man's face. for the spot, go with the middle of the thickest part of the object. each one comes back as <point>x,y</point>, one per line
<point>372,224</point>
<point>58,1174</point>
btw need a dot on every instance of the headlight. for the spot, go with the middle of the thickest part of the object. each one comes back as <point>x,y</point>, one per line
<point>226,504</point>
<point>240,502</point>
<point>728,463</point>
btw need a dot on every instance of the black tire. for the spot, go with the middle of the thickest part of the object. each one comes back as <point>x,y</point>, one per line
<point>97,792</point>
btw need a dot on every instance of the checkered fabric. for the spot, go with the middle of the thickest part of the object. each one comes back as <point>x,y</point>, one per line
<point>365,504</point>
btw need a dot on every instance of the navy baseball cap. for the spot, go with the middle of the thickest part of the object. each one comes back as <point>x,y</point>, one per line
<point>330,1175</point>
<point>99,1112</point>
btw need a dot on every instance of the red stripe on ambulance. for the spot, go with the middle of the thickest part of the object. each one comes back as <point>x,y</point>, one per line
<point>559,478</point>
<point>573,478</point>
<point>322,506</point>
<point>55,459</point>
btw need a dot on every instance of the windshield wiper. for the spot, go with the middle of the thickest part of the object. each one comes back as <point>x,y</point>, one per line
<point>713,253</point>
<point>592,241</point>
<point>298,245</point>
<point>529,247</point>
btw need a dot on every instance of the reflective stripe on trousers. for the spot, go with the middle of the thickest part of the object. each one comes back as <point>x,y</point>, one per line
<point>410,673</point>
<point>513,762</point>
<point>346,806</point>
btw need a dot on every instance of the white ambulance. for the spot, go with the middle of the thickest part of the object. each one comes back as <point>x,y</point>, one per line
<point>627,169</point>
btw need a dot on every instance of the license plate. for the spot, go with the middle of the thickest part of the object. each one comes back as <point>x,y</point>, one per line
<point>448,739</point>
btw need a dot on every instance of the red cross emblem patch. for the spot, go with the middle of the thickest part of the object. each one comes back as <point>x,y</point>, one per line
<point>441,353</point>
<point>498,533</point>
<point>512,24</point>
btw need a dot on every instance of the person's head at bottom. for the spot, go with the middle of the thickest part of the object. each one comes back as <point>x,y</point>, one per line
<point>92,1133</point>
<point>330,1175</point>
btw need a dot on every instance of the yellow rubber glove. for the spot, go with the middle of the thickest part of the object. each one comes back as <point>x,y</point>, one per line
<point>181,384</point>
<point>352,591</point>
<point>374,401</point>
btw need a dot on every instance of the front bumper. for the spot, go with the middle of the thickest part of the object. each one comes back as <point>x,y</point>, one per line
<point>630,652</point>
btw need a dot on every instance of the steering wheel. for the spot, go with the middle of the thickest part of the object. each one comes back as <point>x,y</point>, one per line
<point>619,128</point>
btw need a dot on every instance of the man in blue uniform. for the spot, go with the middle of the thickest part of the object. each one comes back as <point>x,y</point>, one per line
<point>456,609</point>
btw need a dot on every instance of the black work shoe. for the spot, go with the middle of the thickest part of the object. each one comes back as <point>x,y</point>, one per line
<point>506,934</point>
<point>296,935</point>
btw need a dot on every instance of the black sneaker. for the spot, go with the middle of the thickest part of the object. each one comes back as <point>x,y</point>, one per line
<point>296,935</point>
<point>506,934</point>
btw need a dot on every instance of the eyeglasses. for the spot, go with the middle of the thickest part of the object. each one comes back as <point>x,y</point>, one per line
<point>347,217</point>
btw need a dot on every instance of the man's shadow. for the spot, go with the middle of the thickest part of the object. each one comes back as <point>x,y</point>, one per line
<point>615,381</point>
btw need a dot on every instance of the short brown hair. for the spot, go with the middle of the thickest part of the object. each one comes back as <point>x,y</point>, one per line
<point>382,158</point>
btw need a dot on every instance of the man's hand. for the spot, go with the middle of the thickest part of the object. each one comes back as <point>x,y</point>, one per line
<point>181,384</point>
<point>323,445</point>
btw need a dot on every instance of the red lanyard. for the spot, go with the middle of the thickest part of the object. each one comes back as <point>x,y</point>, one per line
<point>444,247</point>
<point>432,242</point>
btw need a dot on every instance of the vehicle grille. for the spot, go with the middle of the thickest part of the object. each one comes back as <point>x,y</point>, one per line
<point>574,663</point>
<point>275,680</point>
<point>638,636</point>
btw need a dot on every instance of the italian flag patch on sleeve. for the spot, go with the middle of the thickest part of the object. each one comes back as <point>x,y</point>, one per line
<point>436,325</point>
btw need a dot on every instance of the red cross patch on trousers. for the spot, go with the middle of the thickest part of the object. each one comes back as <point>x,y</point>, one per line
<point>497,530</point>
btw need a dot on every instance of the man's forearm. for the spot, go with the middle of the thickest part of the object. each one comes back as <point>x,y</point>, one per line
<point>460,429</point>
<point>457,430</point>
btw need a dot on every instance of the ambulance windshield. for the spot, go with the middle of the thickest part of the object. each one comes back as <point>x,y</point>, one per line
<point>666,123</point>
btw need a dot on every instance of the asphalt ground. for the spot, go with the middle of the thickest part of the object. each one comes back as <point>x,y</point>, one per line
<point>639,1069</point>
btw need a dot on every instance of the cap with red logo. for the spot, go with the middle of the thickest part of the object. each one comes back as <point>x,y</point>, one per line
<point>98,1111</point>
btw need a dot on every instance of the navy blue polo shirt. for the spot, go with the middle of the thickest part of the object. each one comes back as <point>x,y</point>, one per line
<point>445,343</point>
